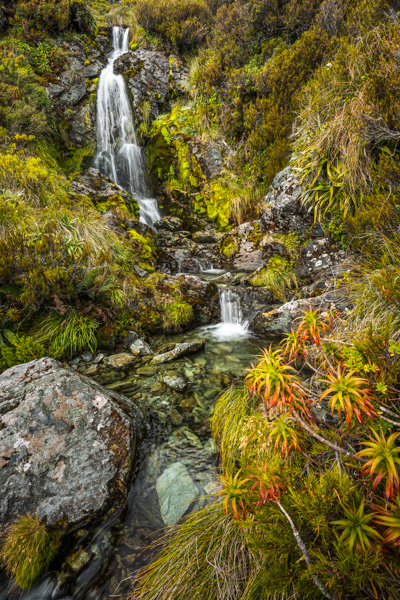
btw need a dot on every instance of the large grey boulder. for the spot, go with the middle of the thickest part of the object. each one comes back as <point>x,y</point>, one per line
<point>66,443</point>
<point>283,211</point>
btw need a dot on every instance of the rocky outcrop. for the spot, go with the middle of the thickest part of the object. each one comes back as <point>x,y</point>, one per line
<point>153,79</point>
<point>72,92</point>
<point>66,443</point>
<point>283,211</point>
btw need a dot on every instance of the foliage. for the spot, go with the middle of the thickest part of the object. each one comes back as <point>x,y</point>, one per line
<point>357,531</point>
<point>27,548</point>
<point>39,15</point>
<point>349,394</point>
<point>278,277</point>
<point>181,22</point>
<point>383,461</point>
<point>177,314</point>
<point>69,334</point>
<point>21,349</point>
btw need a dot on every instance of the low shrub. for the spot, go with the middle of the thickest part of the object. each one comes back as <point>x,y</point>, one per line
<point>69,334</point>
<point>278,277</point>
<point>184,23</point>
<point>20,349</point>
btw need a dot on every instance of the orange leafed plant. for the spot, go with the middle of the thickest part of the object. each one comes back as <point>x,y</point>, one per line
<point>350,394</point>
<point>312,326</point>
<point>269,483</point>
<point>383,461</point>
<point>235,493</point>
<point>276,383</point>
<point>389,517</point>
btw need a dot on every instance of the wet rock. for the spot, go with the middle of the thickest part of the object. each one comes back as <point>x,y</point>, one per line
<point>87,356</point>
<point>140,348</point>
<point>175,381</point>
<point>66,443</point>
<point>175,416</point>
<point>176,491</point>
<point>241,249</point>
<point>283,210</point>
<point>152,77</point>
<point>169,223</point>
<point>181,349</point>
<point>78,560</point>
<point>121,361</point>
<point>55,90</point>
<point>205,237</point>
<point>185,438</point>
<point>101,190</point>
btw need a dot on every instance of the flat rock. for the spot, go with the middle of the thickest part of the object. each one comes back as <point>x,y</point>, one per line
<point>181,349</point>
<point>66,443</point>
<point>176,491</point>
<point>175,381</point>
<point>121,361</point>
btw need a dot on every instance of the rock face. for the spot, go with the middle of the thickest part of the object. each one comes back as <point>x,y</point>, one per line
<point>283,210</point>
<point>152,77</point>
<point>66,443</point>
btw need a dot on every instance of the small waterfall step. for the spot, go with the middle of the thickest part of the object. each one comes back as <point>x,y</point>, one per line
<point>118,155</point>
<point>232,324</point>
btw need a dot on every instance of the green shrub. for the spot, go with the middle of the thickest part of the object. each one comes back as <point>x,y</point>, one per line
<point>39,15</point>
<point>27,548</point>
<point>69,334</point>
<point>21,349</point>
<point>184,23</point>
<point>278,277</point>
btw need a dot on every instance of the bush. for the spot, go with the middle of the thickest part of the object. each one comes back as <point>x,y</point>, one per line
<point>39,15</point>
<point>27,548</point>
<point>21,349</point>
<point>184,23</point>
<point>177,314</point>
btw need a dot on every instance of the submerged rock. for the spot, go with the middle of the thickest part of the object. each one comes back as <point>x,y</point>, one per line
<point>182,349</point>
<point>66,443</point>
<point>175,381</point>
<point>121,361</point>
<point>140,348</point>
<point>176,491</point>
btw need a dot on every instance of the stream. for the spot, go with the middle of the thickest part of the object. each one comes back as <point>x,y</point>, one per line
<point>177,461</point>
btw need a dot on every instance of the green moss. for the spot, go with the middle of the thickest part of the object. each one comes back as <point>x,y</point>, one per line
<point>278,277</point>
<point>229,247</point>
<point>177,314</point>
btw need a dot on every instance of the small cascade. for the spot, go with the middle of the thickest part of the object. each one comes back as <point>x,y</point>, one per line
<point>232,324</point>
<point>118,155</point>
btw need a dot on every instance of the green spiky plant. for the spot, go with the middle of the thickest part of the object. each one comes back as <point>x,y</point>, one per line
<point>384,461</point>
<point>356,528</point>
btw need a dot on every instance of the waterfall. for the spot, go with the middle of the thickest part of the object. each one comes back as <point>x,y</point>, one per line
<point>118,155</point>
<point>232,324</point>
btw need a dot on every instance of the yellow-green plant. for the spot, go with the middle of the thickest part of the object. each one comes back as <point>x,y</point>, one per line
<point>384,461</point>
<point>177,314</point>
<point>69,334</point>
<point>235,493</point>
<point>284,436</point>
<point>278,276</point>
<point>357,532</point>
<point>27,548</point>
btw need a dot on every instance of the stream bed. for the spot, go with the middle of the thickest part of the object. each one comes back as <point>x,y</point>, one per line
<point>176,470</point>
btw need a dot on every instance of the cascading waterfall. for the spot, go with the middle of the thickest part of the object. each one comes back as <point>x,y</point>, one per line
<point>232,324</point>
<point>118,155</point>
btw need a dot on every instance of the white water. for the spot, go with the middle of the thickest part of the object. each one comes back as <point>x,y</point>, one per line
<point>118,155</point>
<point>232,324</point>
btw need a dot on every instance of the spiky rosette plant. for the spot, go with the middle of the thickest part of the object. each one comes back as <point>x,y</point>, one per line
<point>312,326</point>
<point>389,517</point>
<point>235,493</point>
<point>284,436</point>
<point>268,482</point>
<point>276,383</point>
<point>384,461</point>
<point>357,532</point>
<point>350,394</point>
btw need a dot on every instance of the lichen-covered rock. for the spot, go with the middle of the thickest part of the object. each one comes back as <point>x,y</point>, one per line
<point>169,223</point>
<point>318,258</point>
<point>241,249</point>
<point>283,210</point>
<point>66,443</point>
<point>106,195</point>
<point>153,78</point>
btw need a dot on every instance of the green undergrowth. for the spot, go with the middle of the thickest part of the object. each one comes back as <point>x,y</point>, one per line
<point>277,276</point>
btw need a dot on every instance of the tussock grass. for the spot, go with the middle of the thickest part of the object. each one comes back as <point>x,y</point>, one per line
<point>27,548</point>
<point>278,277</point>
<point>206,557</point>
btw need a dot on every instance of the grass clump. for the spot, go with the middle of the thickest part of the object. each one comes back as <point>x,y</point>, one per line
<point>20,349</point>
<point>177,314</point>
<point>278,277</point>
<point>69,334</point>
<point>27,548</point>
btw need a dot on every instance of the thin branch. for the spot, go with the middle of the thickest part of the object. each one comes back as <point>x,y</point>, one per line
<point>318,437</point>
<point>306,555</point>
